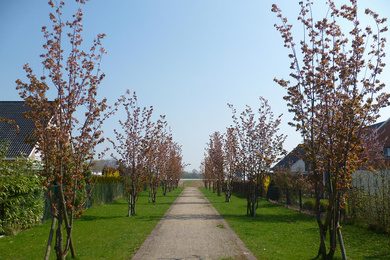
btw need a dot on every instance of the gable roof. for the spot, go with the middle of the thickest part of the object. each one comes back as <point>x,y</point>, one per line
<point>17,145</point>
<point>291,158</point>
<point>383,129</point>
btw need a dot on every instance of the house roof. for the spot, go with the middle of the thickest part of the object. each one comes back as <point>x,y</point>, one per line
<point>384,132</point>
<point>291,158</point>
<point>17,144</point>
<point>383,129</point>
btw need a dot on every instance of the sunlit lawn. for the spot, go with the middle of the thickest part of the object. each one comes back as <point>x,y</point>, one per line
<point>280,233</point>
<point>103,232</point>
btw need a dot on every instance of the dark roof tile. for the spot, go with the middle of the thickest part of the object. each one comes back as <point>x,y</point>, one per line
<point>17,144</point>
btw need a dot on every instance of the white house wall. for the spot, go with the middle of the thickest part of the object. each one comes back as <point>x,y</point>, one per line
<point>372,182</point>
<point>298,166</point>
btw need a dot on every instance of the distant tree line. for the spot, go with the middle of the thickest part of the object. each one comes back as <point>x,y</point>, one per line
<point>194,174</point>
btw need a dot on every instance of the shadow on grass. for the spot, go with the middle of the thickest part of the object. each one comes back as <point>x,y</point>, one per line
<point>184,203</point>
<point>269,218</point>
<point>150,218</point>
<point>96,218</point>
<point>159,203</point>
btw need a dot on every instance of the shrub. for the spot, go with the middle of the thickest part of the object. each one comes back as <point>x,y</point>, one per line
<point>21,194</point>
<point>308,205</point>
<point>96,179</point>
<point>322,207</point>
<point>273,193</point>
<point>21,203</point>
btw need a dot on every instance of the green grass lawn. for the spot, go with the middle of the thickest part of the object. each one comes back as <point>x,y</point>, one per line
<point>280,233</point>
<point>103,232</point>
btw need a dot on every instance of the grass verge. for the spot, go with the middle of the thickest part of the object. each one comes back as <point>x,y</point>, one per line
<point>280,233</point>
<point>103,232</point>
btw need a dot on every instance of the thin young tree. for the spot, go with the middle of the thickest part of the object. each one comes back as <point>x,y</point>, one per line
<point>335,95</point>
<point>163,155</point>
<point>66,141</point>
<point>231,158</point>
<point>215,153</point>
<point>150,155</point>
<point>207,171</point>
<point>131,147</point>
<point>260,147</point>
<point>161,144</point>
<point>175,165</point>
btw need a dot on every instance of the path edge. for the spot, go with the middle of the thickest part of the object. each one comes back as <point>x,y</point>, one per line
<point>145,245</point>
<point>247,253</point>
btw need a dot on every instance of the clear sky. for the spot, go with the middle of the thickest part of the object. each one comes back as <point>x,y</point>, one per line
<point>186,58</point>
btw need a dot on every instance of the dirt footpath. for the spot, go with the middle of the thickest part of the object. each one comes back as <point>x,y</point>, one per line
<point>192,229</point>
<point>193,183</point>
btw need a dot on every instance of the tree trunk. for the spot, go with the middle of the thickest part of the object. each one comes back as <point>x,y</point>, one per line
<point>248,206</point>
<point>332,233</point>
<point>58,245</point>
<point>134,200</point>
<point>342,248</point>
<point>154,191</point>
<point>251,199</point>
<point>300,200</point>
<point>63,216</point>
<point>129,211</point>
<point>254,203</point>
<point>338,229</point>
<point>48,247</point>
<point>163,188</point>
<point>219,187</point>
<point>69,242</point>
<point>150,192</point>
<point>228,192</point>
<point>322,248</point>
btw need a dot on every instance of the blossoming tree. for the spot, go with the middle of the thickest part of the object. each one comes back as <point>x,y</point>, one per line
<point>335,95</point>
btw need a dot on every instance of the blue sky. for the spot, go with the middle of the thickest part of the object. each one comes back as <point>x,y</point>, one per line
<point>186,58</point>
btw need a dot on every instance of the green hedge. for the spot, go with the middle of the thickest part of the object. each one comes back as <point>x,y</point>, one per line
<point>21,202</point>
<point>105,180</point>
<point>100,194</point>
<point>105,193</point>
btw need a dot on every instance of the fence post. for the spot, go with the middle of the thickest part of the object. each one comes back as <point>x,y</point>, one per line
<point>300,200</point>
<point>288,197</point>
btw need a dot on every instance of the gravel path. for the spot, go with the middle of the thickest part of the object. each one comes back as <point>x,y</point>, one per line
<point>192,229</point>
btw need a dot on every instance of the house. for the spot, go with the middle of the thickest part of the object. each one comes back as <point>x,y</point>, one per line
<point>361,178</point>
<point>293,161</point>
<point>379,180</point>
<point>16,140</point>
<point>383,130</point>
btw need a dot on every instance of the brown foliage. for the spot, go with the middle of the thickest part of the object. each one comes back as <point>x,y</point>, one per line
<point>145,153</point>
<point>335,95</point>
<point>259,146</point>
<point>65,140</point>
